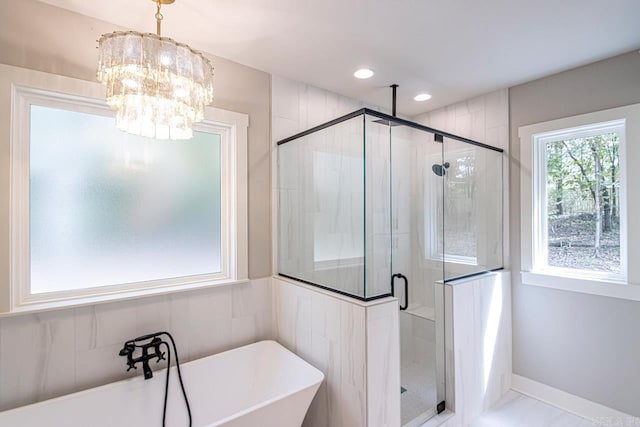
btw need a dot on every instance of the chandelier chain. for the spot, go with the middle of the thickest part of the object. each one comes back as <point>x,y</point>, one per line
<point>158,17</point>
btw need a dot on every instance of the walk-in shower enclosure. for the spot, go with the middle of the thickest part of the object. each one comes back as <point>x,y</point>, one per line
<point>361,195</point>
<point>371,205</point>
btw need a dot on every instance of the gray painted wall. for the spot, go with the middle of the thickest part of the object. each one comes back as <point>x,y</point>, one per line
<point>46,38</point>
<point>583,344</point>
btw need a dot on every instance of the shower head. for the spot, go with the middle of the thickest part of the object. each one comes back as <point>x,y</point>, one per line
<point>394,90</point>
<point>386,122</point>
<point>440,170</point>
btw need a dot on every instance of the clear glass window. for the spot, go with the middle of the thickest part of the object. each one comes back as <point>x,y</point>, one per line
<point>579,204</point>
<point>583,199</point>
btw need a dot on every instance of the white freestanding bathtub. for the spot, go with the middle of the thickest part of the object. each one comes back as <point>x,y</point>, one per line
<point>261,384</point>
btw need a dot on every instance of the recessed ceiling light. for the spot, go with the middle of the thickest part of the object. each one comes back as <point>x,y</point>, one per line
<point>422,97</point>
<point>363,73</point>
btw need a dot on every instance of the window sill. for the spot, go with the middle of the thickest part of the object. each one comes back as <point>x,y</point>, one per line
<point>606,288</point>
<point>455,259</point>
<point>42,306</point>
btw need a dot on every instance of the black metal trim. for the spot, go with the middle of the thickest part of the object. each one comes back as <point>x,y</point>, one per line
<point>323,126</point>
<point>424,128</point>
<point>441,407</point>
<point>326,288</point>
<point>390,118</point>
<point>466,276</point>
<point>367,299</point>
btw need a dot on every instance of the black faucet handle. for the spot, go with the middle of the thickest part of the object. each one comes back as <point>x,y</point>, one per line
<point>127,350</point>
<point>159,354</point>
<point>151,349</point>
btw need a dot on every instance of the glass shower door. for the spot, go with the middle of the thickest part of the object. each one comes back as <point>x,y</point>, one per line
<point>417,173</point>
<point>472,208</point>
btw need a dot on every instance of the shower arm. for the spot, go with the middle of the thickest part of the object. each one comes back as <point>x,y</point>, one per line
<point>394,90</point>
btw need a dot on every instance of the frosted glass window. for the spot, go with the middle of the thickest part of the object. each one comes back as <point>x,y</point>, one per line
<point>109,208</point>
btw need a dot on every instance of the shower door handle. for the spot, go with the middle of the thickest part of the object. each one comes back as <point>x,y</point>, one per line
<point>406,289</point>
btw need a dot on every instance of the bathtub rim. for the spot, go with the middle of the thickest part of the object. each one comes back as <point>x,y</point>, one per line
<point>317,377</point>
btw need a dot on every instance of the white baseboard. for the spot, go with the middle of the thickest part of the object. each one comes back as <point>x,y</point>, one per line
<point>576,405</point>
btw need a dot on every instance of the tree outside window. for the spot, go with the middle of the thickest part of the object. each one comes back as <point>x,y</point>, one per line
<point>583,203</point>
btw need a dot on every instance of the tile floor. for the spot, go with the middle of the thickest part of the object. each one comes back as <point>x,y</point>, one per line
<point>418,377</point>
<point>518,410</point>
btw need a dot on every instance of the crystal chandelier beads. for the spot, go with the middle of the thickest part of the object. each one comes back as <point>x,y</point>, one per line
<point>158,87</point>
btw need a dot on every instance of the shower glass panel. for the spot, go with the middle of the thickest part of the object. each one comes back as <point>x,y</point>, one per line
<point>377,209</point>
<point>334,219</point>
<point>416,234</point>
<point>472,209</point>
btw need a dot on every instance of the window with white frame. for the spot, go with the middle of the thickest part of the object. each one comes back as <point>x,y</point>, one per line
<point>100,213</point>
<point>576,196</point>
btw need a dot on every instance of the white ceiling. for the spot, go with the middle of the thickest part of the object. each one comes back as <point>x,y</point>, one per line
<point>453,49</point>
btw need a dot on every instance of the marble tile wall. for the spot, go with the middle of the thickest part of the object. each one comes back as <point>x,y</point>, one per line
<point>355,345</point>
<point>383,358</point>
<point>484,119</point>
<point>44,355</point>
<point>478,349</point>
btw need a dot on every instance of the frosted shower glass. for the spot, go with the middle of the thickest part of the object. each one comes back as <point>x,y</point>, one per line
<point>110,208</point>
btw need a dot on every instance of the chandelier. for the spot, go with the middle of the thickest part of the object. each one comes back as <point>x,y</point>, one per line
<point>158,87</point>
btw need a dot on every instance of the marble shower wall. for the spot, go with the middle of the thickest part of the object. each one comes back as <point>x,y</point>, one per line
<point>478,344</point>
<point>483,119</point>
<point>355,345</point>
<point>44,355</point>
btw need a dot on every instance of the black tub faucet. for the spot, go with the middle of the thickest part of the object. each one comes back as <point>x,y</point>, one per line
<point>150,349</point>
<point>149,346</point>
